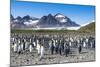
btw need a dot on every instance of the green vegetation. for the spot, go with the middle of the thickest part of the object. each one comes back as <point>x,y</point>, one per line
<point>88,28</point>
<point>41,31</point>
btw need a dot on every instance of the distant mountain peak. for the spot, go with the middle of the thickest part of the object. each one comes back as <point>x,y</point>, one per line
<point>57,20</point>
<point>50,14</point>
<point>11,17</point>
<point>18,17</point>
<point>61,18</point>
<point>59,15</point>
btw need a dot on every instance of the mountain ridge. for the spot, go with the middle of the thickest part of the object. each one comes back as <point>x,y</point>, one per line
<point>57,20</point>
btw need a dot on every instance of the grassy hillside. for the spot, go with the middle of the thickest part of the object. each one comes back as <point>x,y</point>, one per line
<point>88,28</point>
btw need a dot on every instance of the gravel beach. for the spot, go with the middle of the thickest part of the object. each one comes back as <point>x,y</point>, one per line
<point>32,58</point>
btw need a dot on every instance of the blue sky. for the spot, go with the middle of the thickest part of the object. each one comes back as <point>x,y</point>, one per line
<point>81,14</point>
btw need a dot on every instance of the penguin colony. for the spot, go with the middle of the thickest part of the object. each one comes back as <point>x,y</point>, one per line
<point>55,44</point>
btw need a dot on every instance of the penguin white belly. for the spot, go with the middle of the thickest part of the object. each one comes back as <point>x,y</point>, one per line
<point>38,48</point>
<point>26,45</point>
<point>19,48</point>
<point>84,44</point>
<point>91,44</point>
<point>30,48</point>
<point>34,43</point>
<point>87,40</point>
<point>70,43</point>
<point>12,39</point>
<point>41,52</point>
<point>15,47</point>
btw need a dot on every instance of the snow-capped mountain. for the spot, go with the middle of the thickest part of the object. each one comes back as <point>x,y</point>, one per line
<point>57,20</point>
<point>31,22</point>
<point>23,22</point>
<point>65,21</point>
<point>61,18</point>
<point>48,21</point>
